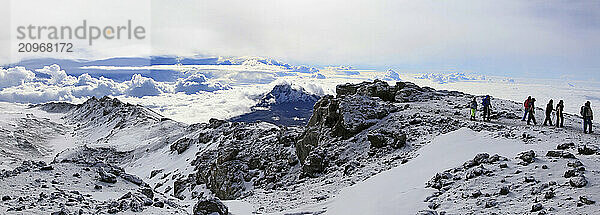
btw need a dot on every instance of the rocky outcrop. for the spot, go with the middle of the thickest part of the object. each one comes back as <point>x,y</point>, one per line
<point>260,154</point>
<point>181,145</point>
<point>210,207</point>
<point>385,137</point>
<point>526,157</point>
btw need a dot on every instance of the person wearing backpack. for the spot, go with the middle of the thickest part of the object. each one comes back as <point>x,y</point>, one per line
<point>549,109</point>
<point>588,116</point>
<point>486,108</point>
<point>526,104</point>
<point>560,119</point>
<point>531,112</point>
<point>473,107</point>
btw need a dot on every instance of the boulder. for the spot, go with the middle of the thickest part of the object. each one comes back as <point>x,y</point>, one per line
<point>489,203</point>
<point>565,146</point>
<point>106,176</point>
<point>504,190</point>
<point>587,150</point>
<point>559,154</point>
<point>479,159</point>
<point>313,165</point>
<point>384,137</point>
<point>63,211</point>
<point>47,168</point>
<point>210,207</point>
<point>584,200</point>
<point>133,179</point>
<point>537,207</point>
<point>578,181</point>
<point>527,157</point>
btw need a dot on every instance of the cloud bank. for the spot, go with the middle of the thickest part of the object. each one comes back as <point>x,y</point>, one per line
<point>21,85</point>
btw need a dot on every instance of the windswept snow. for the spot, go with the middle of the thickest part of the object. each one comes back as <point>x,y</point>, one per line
<point>401,190</point>
<point>30,133</point>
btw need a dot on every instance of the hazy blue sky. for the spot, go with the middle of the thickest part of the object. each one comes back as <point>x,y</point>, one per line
<point>516,38</point>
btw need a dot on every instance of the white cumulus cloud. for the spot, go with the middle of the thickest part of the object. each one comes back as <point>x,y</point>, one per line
<point>15,76</point>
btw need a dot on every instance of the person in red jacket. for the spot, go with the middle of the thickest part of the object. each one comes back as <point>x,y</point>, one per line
<point>526,104</point>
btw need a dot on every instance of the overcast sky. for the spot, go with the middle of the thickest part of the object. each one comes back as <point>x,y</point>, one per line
<point>515,38</point>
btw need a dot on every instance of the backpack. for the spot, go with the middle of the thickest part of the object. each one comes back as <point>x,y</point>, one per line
<point>586,111</point>
<point>527,103</point>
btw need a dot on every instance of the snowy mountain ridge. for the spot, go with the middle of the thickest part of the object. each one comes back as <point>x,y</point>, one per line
<point>363,131</point>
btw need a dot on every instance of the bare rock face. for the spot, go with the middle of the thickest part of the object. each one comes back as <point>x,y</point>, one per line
<point>356,108</point>
<point>181,145</point>
<point>210,207</point>
<point>261,154</point>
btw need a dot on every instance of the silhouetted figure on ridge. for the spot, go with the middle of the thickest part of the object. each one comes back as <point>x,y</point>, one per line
<point>526,104</point>
<point>531,112</point>
<point>560,118</point>
<point>487,105</point>
<point>549,109</point>
<point>588,116</point>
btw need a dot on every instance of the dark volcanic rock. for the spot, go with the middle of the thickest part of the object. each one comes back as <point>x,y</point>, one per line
<point>537,207</point>
<point>384,137</point>
<point>565,146</point>
<point>578,181</point>
<point>560,154</point>
<point>106,177</point>
<point>587,150</point>
<point>210,207</point>
<point>527,157</point>
<point>260,153</point>
<point>584,200</point>
<point>181,145</point>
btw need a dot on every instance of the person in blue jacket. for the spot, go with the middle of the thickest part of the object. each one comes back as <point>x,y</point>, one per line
<point>487,105</point>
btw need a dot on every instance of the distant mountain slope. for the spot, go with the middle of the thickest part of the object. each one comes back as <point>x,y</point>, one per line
<point>283,105</point>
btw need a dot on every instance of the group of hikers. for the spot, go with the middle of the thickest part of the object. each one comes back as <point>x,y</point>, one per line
<point>529,104</point>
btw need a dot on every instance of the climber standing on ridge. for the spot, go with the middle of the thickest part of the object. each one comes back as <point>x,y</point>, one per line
<point>526,104</point>
<point>560,119</point>
<point>549,109</point>
<point>531,112</point>
<point>473,106</point>
<point>588,116</point>
<point>487,105</point>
